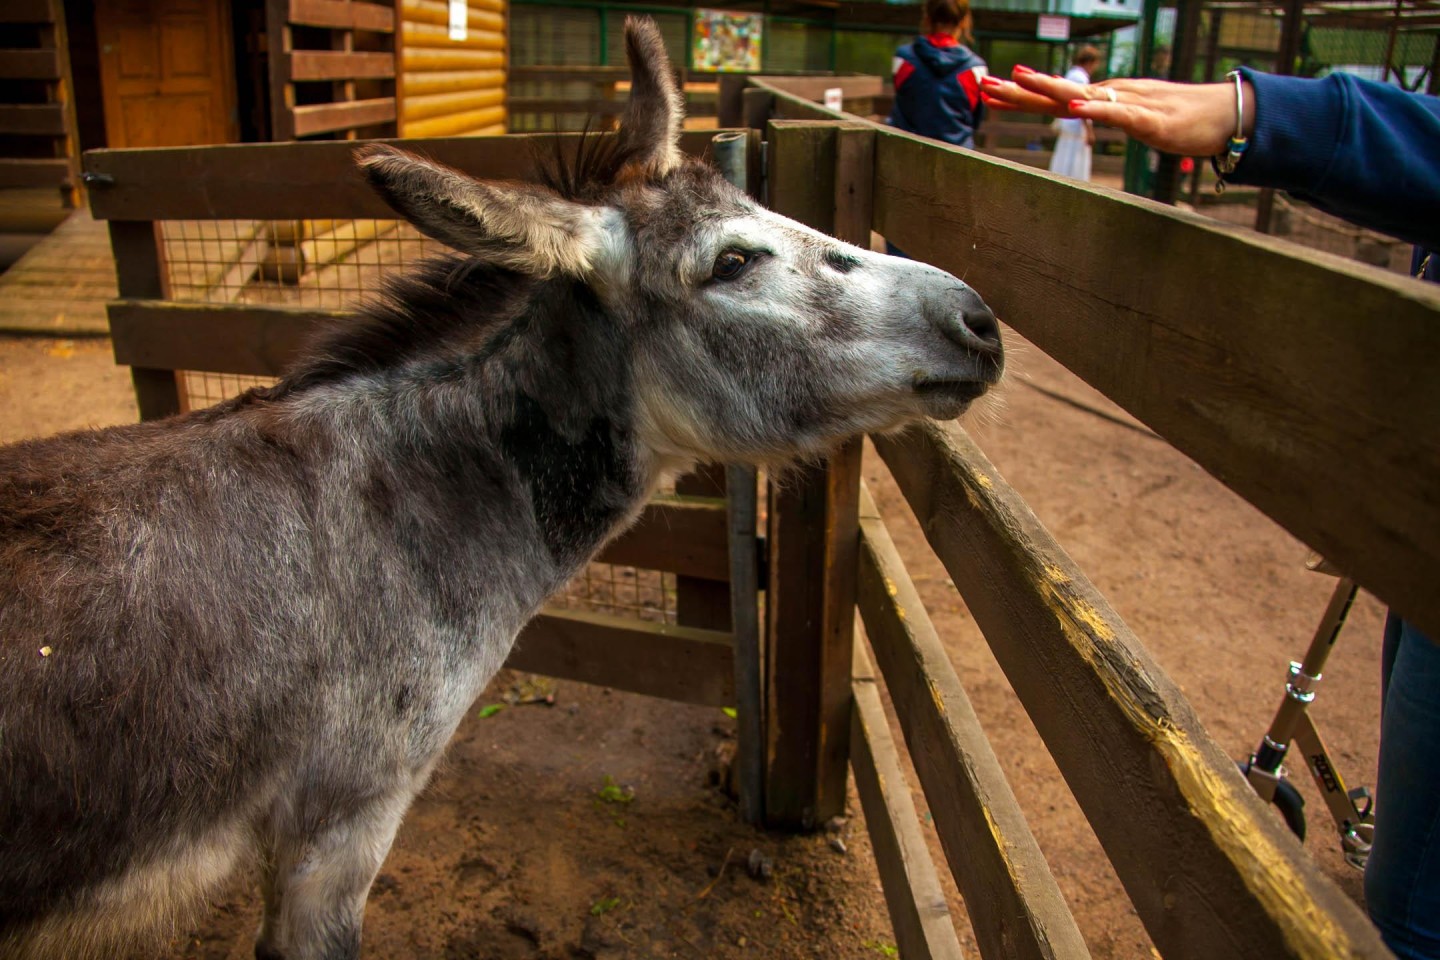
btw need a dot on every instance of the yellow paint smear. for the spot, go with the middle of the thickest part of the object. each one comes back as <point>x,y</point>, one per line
<point>1266,870</point>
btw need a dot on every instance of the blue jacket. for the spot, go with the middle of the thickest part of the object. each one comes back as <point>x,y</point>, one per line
<point>937,90</point>
<point>1365,151</point>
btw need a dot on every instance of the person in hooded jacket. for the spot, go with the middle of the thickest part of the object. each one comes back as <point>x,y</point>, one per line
<point>937,77</point>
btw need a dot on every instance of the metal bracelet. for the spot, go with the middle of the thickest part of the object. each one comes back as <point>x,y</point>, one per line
<point>1226,162</point>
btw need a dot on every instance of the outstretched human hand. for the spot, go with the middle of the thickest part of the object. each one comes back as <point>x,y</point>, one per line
<point>1191,119</point>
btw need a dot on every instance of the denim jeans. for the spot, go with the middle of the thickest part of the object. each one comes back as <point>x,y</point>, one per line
<point>1402,878</point>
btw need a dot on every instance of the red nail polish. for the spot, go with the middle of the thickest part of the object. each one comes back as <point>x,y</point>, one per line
<point>1021,68</point>
<point>1075,104</point>
<point>989,81</point>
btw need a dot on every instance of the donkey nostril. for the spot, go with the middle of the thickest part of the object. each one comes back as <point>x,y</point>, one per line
<point>983,324</point>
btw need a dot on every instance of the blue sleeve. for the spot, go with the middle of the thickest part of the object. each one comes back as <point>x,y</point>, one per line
<point>1364,151</point>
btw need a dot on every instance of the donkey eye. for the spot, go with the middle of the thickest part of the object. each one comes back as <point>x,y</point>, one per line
<point>730,265</point>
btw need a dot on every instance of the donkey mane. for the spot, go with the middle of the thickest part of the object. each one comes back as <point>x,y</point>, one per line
<point>447,298</point>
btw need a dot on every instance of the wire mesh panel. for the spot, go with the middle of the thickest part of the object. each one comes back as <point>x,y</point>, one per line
<point>334,265</point>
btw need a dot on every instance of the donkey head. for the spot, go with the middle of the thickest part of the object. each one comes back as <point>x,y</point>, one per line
<point>750,336</point>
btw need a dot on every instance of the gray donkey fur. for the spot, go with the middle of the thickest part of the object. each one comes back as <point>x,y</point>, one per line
<point>266,619</point>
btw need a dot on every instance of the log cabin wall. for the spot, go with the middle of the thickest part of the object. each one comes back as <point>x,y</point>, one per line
<point>452,84</point>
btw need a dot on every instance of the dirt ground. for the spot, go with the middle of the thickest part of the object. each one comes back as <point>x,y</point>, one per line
<point>592,828</point>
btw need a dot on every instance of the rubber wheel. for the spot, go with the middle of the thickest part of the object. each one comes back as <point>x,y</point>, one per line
<point>1289,802</point>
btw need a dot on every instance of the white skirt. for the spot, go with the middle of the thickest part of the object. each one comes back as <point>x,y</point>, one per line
<point>1072,155</point>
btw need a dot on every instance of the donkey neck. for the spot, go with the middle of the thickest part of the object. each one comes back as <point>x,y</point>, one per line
<point>505,429</point>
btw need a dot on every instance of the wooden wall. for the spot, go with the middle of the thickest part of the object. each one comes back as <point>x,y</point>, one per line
<point>452,87</point>
<point>36,120</point>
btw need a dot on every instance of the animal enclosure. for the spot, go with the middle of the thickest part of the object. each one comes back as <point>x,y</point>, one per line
<point>1276,393</point>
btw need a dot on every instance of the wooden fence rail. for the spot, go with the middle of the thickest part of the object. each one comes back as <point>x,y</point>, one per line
<point>1202,331</point>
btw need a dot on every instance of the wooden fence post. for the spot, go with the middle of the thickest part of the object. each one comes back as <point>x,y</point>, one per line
<point>140,275</point>
<point>818,174</point>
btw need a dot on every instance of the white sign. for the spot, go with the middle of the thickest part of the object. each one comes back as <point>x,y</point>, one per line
<point>459,19</point>
<point>835,98</point>
<point>1053,28</point>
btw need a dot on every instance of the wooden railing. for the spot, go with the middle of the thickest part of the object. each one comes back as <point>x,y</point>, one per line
<point>1244,353</point>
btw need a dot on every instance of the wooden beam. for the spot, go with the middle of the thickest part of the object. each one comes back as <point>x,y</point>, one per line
<point>140,272</point>
<point>813,88</point>
<point>295,181</point>
<point>1212,872</point>
<point>343,15</point>
<point>28,11</point>
<point>34,173</point>
<point>809,611</point>
<point>328,117</point>
<point>242,339</point>
<point>918,912</point>
<point>334,65</point>
<point>680,534</point>
<point>33,119</point>
<point>656,659</point>
<point>1247,353</point>
<point>278,45</point>
<point>1016,908</point>
<point>29,65</point>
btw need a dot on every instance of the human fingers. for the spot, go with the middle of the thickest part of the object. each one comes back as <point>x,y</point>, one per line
<point>1055,88</point>
<point>1007,95</point>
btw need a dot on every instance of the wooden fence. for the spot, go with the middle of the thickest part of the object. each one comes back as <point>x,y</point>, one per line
<point>1248,358</point>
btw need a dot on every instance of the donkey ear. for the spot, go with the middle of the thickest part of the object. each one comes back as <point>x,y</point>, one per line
<point>527,228</point>
<point>650,126</point>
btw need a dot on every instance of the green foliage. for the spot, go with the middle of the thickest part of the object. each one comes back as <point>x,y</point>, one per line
<point>490,709</point>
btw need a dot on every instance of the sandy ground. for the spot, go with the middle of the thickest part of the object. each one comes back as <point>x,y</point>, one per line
<point>593,828</point>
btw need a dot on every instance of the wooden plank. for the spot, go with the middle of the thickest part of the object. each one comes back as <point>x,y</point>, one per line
<point>807,723</point>
<point>1016,908</point>
<point>1210,869</point>
<point>681,534</point>
<point>656,659</point>
<point>294,181</point>
<point>1243,351</point>
<point>335,65</point>
<point>704,602</point>
<point>34,119</point>
<point>813,88</point>
<point>328,117</point>
<point>343,15</point>
<point>140,273</point>
<point>29,64</point>
<point>918,912</point>
<point>28,11</point>
<point>242,339</point>
<point>34,173</point>
<point>282,93</point>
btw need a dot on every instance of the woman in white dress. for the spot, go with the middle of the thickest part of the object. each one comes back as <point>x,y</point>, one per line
<point>1077,137</point>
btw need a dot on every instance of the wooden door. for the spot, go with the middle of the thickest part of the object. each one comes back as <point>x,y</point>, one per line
<point>165,69</point>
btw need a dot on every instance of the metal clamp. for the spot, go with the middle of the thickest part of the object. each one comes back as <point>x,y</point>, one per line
<point>1299,685</point>
<point>97,179</point>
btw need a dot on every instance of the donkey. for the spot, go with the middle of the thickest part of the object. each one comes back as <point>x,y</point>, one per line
<point>245,634</point>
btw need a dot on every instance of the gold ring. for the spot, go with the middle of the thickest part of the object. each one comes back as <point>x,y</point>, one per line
<point>1110,94</point>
